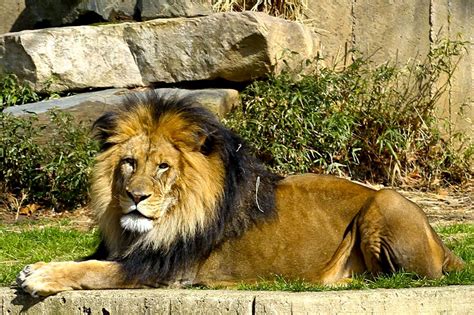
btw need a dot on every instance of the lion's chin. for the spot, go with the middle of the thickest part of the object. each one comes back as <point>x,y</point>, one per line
<point>135,222</point>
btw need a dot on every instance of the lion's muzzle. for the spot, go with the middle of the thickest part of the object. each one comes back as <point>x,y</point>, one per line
<point>138,195</point>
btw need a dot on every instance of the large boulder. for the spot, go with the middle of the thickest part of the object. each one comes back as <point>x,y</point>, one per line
<point>47,13</point>
<point>231,46</point>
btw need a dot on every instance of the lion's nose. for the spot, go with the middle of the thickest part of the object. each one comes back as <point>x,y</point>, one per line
<point>138,195</point>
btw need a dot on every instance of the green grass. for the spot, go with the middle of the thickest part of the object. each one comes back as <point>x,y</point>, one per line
<point>396,281</point>
<point>22,244</point>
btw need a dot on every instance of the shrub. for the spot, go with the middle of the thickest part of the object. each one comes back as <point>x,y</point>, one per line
<point>49,163</point>
<point>12,92</point>
<point>368,122</point>
<point>19,154</point>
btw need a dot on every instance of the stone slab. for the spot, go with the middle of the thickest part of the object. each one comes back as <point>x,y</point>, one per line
<point>443,300</point>
<point>89,106</point>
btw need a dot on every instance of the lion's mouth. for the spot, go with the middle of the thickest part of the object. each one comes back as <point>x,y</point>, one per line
<point>135,221</point>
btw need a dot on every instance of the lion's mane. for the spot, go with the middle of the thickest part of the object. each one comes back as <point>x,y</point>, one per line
<point>247,196</point>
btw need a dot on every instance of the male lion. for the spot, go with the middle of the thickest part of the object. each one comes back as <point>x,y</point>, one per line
<point>180,200</point>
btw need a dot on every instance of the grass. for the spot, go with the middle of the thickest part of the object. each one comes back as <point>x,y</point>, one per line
<point>287,9</point>
<point>22,244</point>
<point>14,92</point>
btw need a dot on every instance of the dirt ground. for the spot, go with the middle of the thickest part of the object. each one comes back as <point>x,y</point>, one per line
<point>443,208</point>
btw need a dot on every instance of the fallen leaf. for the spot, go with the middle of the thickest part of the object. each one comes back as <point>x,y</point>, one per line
<point>29,209</point>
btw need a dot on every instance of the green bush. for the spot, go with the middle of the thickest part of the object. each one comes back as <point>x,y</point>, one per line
<point>12,92</point>
<point>369,122</point>
<point>49,163</point>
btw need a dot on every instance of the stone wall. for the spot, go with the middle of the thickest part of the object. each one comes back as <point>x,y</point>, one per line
<point>400,30</point>
<point>393,30</point>
<point>453,19</point>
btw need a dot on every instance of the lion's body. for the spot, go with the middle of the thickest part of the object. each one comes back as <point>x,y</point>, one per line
<point>300,242</point>
<point>180,200</point>
<point>318,236</point>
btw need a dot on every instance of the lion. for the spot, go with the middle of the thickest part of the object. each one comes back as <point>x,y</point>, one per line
<point>181,200</point>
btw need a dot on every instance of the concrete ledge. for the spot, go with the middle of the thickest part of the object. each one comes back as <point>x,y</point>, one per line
<point>450,300</point>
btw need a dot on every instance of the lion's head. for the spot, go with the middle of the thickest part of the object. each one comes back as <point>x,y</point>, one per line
<point>172,183</point>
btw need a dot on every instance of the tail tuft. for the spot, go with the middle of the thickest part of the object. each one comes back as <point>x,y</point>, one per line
<point>452,262</point>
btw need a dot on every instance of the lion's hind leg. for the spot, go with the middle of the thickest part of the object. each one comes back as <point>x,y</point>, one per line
<point>395,235</point>
<point>346,261</point>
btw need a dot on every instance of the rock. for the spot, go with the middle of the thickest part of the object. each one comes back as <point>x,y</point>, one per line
<point>219,101</point>
<point>232,46</point>
<point>151,9</point>
<point>89,106</point>
<point>10,10</point>
<point>48,13</point>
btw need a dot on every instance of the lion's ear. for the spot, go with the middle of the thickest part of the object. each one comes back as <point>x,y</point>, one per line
<point>196,141</point>
<point>103,128</point>
<point>205,143</point>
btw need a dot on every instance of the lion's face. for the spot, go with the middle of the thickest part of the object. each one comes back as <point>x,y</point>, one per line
<point>170,184</point>
<point>158,177</point>
<point>147,171</point>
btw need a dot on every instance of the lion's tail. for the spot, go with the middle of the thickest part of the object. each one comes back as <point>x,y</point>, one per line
<point>451,261</point>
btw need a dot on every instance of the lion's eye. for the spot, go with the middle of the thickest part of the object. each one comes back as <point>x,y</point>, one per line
<point>163,166</point>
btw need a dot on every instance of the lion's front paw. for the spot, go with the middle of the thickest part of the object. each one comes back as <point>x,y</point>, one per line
<point>43,279</point>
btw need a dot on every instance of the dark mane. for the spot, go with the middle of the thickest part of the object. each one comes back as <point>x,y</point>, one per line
<point>248,193</point>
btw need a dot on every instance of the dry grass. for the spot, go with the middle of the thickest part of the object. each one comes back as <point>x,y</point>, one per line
<point>287,9</point>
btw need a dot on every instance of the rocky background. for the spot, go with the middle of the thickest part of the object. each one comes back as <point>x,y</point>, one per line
<point>175,42</point>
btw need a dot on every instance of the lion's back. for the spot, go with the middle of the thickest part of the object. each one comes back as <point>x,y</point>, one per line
<point>320,194</point>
